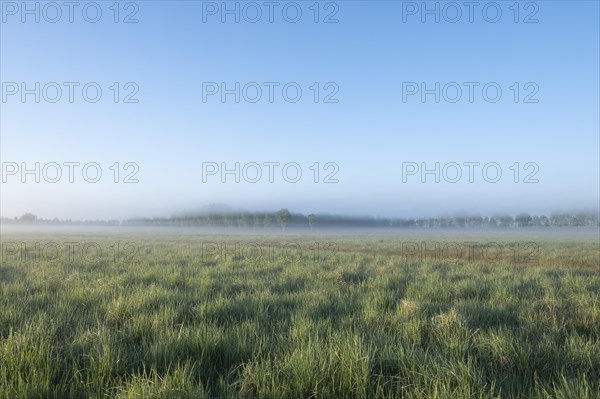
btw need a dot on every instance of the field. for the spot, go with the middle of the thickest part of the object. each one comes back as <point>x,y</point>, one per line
<point>195,316</point>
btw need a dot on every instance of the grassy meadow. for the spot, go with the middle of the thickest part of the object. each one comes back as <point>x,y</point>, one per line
<point>201,316</point>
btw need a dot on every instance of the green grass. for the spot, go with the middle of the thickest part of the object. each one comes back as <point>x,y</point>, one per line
<point>362,323</point>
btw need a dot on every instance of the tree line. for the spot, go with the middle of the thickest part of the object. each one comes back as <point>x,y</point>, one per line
<point>284,219</point>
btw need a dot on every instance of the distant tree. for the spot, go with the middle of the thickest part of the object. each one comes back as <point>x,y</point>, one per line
<point>506,221</point>
<point>523,220</point>
<point>312,219</point>
<point>580,219</point>
<point>447,222</point>
<point>28,217</point>
<point>228,220</point>
<point>256,221</point>
<point>561,219</point>
<point>243,220</point>
<point>475,221</point>
<point>283,217</point>
<point>267,221</point>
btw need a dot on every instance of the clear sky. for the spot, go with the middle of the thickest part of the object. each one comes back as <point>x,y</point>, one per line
<point>367,121</point>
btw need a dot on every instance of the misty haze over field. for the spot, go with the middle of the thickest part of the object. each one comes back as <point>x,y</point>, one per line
<point>397,117</point>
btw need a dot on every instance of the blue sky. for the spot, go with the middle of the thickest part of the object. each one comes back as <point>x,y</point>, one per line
<point>368,54</point>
